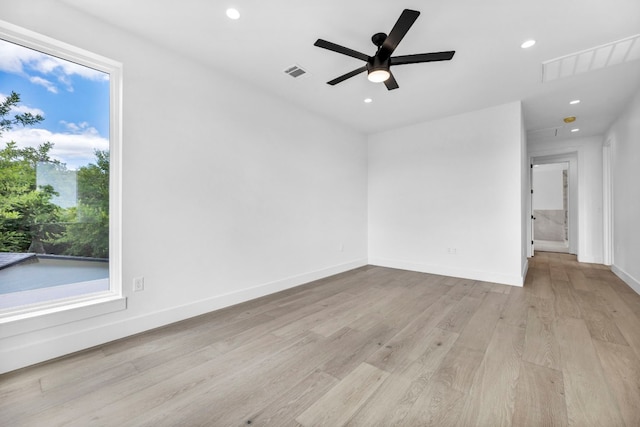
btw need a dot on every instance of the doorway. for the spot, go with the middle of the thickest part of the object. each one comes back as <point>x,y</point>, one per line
<point>550,202</point>
<point>572,191</point>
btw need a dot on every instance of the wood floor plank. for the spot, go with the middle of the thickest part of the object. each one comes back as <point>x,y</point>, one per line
<point>621,367</point>
<point>413,340</point>
<point>478,331</point>
<point>491,399</point>
<point>267,326</point>
<point>355,347</point>
<point>225,398</point>
<point>134,405</point>
<point>564,300</point>
<point>61,395</point>
<point>541,285</point>
<point>306,323</point>
<point>394,389</point>
<point>615,303</point>
<point>577,279</point>
<point>438,406</point>
<point>460,289</point>
<point>484,287</point>
<point>458,369</point>
<point>629,327</point>
<point>539,397</point>
<point>516,308</point>
<point>295,401</point>
<point>460,313</point>
<point>82,408</point>
<point>541,344</point>
<point>339,404</point>
<point>589,400</point>
<point>400,391</point>
<point>601,325</point>
<point>558,273</point>
<point>333,324</point>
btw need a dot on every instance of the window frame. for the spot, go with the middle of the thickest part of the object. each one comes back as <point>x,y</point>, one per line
<point>56,312</point>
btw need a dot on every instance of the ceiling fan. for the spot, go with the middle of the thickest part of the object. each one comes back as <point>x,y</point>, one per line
<point>378,66</point>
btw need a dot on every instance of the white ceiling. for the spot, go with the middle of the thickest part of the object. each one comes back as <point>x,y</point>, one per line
<point>489,67</point>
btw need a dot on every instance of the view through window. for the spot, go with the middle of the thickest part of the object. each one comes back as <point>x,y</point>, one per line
<point>54,178</point>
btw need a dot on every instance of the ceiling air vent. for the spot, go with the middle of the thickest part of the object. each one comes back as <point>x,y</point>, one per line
<point>607,55</point>
<point>546,133</point>
<point>295,71</point>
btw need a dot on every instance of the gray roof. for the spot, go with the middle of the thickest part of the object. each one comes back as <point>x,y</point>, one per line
<point>7,259</point>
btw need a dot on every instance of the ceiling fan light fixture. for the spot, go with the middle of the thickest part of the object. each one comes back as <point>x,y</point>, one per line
<point>379,76</point>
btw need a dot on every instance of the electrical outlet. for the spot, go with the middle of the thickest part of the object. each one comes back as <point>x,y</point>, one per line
<point>341,247</point>
<point>138,284</point>
<point>452,251</point>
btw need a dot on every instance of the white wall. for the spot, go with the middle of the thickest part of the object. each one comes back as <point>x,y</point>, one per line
<point>589,165</point>
<point>450,184</point>
<point>228,193</point>
<point>624,137</point>
<point>548,188</point>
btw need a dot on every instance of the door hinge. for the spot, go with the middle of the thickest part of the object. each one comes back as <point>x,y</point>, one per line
<point>532,191</point>
<point>532,242</point>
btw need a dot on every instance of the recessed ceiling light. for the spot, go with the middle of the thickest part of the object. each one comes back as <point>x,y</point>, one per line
<point>575,101</point>
<point>233,13</point>
<point>575,130</point>
<point>528,44</point>
<point>368,100</point>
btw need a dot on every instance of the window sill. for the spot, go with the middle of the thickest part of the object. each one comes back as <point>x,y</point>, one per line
<point>60,313</point>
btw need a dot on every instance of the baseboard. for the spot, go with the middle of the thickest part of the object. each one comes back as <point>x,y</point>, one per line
<point>483,276</point>
<point>626,278</point>
<point>587,259</point>
<point>46,349</point>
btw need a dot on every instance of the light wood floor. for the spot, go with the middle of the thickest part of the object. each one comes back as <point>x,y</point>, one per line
<point>371,347</point>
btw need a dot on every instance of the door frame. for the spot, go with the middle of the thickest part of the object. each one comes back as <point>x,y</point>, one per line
<point>572,196</point>
<point>607,202</point>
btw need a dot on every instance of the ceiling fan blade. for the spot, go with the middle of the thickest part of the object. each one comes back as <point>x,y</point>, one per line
<point>391,83</point>
<point>422,57</point>
<point>341,49</point>
<point>347,76</point>
<point>406,20</point>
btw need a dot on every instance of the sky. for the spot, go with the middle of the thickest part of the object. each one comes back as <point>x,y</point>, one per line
<point>73,99</point>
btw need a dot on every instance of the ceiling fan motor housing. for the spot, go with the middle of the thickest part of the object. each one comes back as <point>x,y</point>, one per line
<point>378,38</point>
<point>375,63</point>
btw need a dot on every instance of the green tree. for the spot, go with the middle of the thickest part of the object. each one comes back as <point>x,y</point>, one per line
<point>87,232</point>
<point>23,206</point>
<point>25,209</point>
<point>24,119</point>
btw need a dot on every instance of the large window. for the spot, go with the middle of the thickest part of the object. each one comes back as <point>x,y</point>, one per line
<point>59,176</point>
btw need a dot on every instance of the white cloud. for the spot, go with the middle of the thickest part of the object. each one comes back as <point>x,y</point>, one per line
<point>44,83</point>
<point>74,149</point>
<point>79,128</point>
<point>24,61</point>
